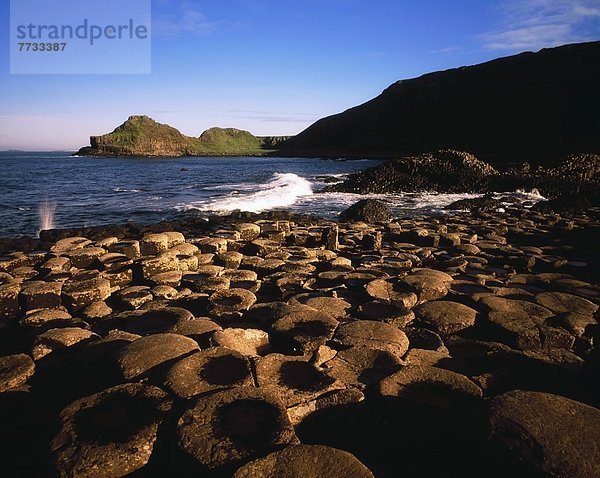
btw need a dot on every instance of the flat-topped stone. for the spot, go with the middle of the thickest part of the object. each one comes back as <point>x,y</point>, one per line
<point>15,370</point>
<point>555,435</point>
<point>310,461</point>
<point>209,370</point>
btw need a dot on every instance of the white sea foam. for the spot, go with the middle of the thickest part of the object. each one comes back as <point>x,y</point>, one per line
<point>122,190</point>
<point>282,190</point>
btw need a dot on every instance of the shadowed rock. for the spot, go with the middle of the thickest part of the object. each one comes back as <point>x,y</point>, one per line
<point>15,370</point>
<point>111,433</point>
<point>554,434</point>
<point>152,355</point>
<point>307,461</point>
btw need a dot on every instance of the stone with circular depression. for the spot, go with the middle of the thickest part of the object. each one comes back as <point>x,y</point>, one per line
<point>431,386</point>
<point>293,379</point>
<point>308,327</point>
<point>233,425</point>
<point>230,303</point>
<point>209,370</point>
<point>109,434</point>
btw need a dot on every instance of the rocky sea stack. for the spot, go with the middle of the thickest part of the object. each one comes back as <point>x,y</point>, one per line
<point>142,136</point>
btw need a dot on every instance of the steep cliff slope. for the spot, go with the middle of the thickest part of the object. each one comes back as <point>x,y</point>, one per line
<point>530,107</point>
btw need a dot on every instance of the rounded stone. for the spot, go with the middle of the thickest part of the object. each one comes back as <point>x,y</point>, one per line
<point>44,317</point>
<point>386,312</point>
<point>84,258</point>
<point>383,290</point>
<point>446,317</point>
<point>144,322</point>
<point>556,435</point>
<point>40,295</point>
<point>165,292</point>
<point>431,386</point>
<point>9,299</point>
<point>136,296</point>
<point>250,342</point>
<point>518,321</point>
<point>174,238</point>
<point>69,244</point>
<point>207,285</point>
<point>375,335</point>
<point>199,329</point>
<point>360,366</point>
<point>233,425</point>
<point>306,461</point>
<point>109,434</point>
<point>153,244</point>
<point>230,303</point>
<point>81,293</point>
<point>54,339</point>
<point>248,231</point>
<point>96,310</point>
<point>293,379</point>
<point>333,306</point>
<point>305,325</point>
<point>131,249</point>
<point>229,260</point>
<point>561,302</point>
<point>209,370</point>
<point>151,355</point>
<point>15,370</point>
<point>428,284</point>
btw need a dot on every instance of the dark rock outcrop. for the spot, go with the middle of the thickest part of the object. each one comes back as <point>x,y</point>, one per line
<point>446,171</point>
<point>367,210</point>
<point>483,204</point>
<point>449,171</point>
<point>528,107</point>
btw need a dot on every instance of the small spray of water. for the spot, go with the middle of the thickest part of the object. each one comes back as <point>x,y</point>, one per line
<point>46,212</point>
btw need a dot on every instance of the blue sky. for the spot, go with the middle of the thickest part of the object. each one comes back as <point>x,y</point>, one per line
<point>273,67</point>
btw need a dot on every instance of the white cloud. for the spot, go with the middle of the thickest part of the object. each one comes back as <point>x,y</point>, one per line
<point>270,116</point>
<point>449,49</point>
<point>535,24</point>
<point>182,17</point>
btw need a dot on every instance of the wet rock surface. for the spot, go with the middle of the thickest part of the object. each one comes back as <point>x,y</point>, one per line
<point>217,348</point>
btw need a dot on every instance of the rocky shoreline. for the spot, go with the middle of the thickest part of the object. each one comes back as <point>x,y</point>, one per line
<point>451,171</point>
<point>278,345</point>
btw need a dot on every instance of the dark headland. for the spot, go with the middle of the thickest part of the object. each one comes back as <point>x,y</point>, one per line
<point>532,107</point>
<point>276,345</point>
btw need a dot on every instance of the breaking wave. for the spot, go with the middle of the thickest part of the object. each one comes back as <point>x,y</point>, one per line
<point>281,190</point>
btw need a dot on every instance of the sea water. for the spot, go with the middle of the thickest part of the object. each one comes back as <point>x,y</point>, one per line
<point>63,191</point>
